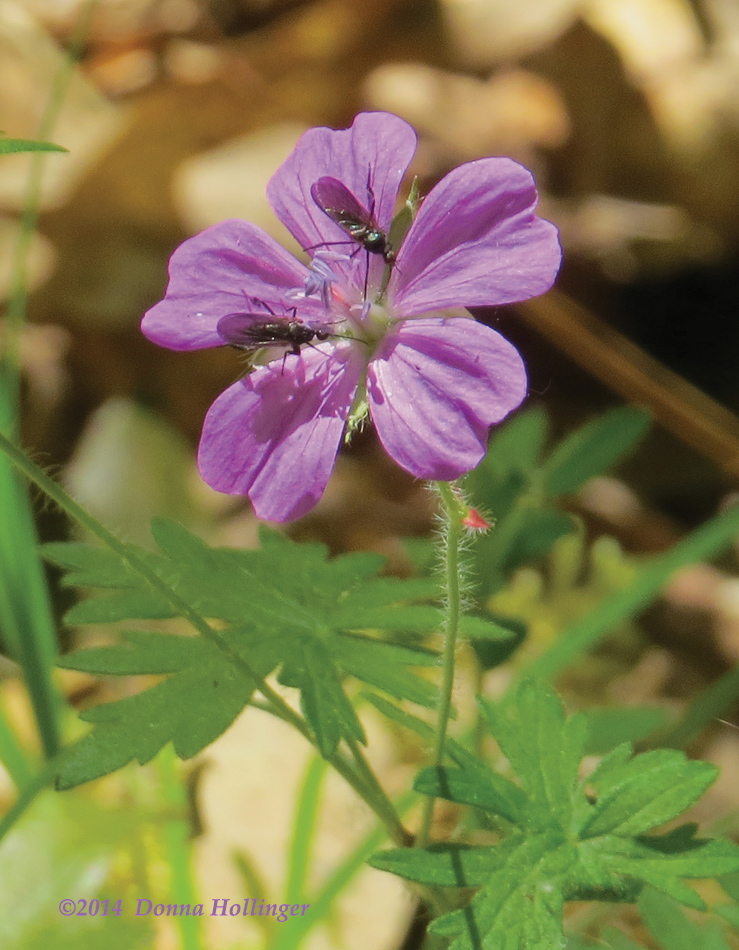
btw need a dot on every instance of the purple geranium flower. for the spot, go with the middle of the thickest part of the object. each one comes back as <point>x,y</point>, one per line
<point>367,328</point>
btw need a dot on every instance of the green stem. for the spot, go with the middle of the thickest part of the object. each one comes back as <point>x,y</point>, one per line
<point>369,791</point>
<point>12,754</point>
<point>29,792</point>
<point>452,538</point>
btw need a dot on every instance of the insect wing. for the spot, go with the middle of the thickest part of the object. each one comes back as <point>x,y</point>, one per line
<point>339,203</point>
<point>249,331</point>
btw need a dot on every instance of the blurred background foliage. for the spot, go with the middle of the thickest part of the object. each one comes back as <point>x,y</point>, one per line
<point>175,117</point>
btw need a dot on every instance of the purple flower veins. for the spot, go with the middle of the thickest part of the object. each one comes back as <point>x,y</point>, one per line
<point>372,330</point>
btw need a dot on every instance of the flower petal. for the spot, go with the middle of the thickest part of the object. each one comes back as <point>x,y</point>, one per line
<point>370,159</point>
<point>476,242</point>
<point>435,386</point>
<point>274,435</point>
<point>220,271</point>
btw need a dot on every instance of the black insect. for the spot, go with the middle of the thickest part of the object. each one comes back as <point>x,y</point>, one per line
<point>335,199</point>
<point>245,332</point>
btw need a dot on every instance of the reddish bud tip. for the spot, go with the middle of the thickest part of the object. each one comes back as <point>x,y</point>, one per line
<point>474,521</point>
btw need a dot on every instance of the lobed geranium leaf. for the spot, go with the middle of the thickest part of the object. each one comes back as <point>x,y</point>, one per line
<point>381,665</point>
<point>419,617</point>
<point>145,604</point>
<point>482,789</point>
<point>663,860</point>
<point>323,701</point>
<point>544,748</point>
<point>440,865</point>
<point>190,708</point>
<point>287,607</point>
<point>86,566</point>
<point>520,905</point>
<point>139,654</point>
<point>646,792</point>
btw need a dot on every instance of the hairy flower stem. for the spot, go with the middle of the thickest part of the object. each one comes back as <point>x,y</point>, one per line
<point>452,536</point>
<point>360,778</point>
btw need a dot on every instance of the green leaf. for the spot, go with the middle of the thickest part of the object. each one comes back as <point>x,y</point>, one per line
<point>328,711</point>
<point>546,753</point>
<point>661,861</point>
<point>486,790</point>
<point>485,628</point>
<point>593,449</point>
<point>422,618</point>
<point>380,665</point>
<point>454,749</point>
<point>139,654</point>
<point>287,607</point>
<point>646,792</point>
<point>88,566</point>
<point>9,146</point>
<point>190,708</point>
<point>521,904</point>
<point>121,605</point>
<point>440,865</point>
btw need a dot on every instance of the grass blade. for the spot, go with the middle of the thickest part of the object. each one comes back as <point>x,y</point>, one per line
<point>176,832</point>
<point>304,828</point>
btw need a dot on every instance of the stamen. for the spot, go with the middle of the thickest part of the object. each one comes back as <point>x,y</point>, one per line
<point>321,278</point>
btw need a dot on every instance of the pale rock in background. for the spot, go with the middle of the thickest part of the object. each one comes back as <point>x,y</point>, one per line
<point>128,467</point>
<point>230,181</point>
<point>484,32</point>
